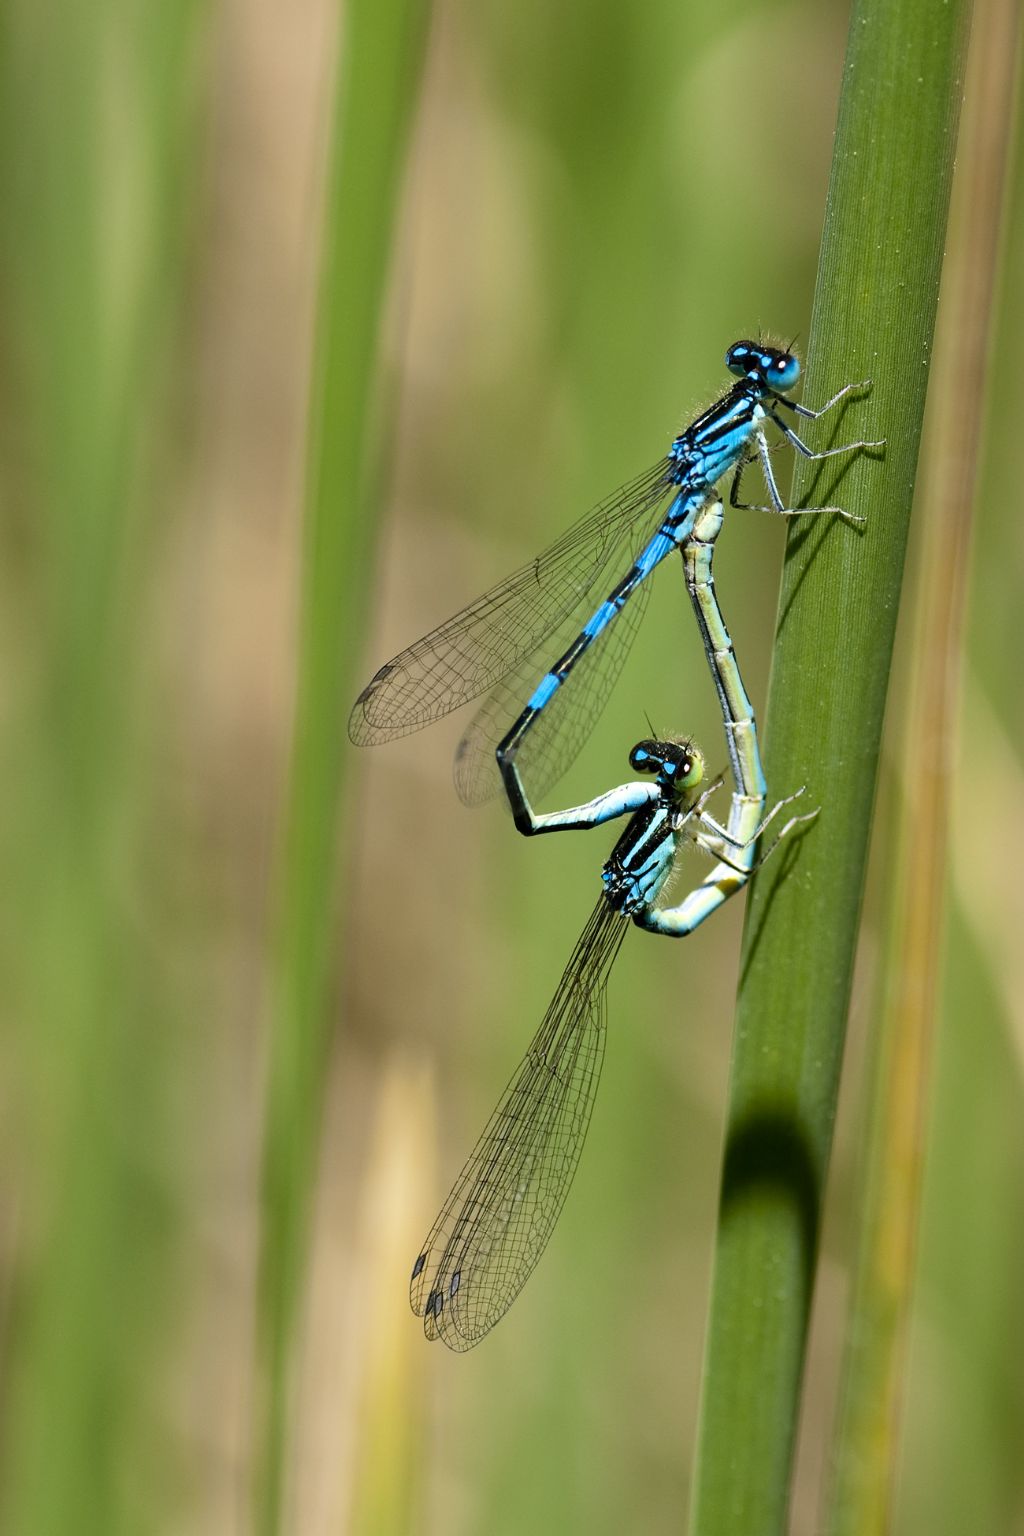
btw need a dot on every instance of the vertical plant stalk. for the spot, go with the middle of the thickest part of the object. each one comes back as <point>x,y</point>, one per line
<point>874,313</point>
<point>867,1436</point>
<point>85,1037</point>
<point>378,70</point>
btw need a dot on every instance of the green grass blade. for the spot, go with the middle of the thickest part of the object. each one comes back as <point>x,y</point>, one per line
<point>873,317</point>
<point>864,1454</point>
<point>92,297</point>
<point>381,53</point>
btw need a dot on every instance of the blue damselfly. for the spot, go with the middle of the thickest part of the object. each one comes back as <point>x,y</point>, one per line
<point>497,644</point>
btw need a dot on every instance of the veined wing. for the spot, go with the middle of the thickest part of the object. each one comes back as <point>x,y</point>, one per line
<point>472,651</point>
<point>558,733</point>
<point>496,1222</point>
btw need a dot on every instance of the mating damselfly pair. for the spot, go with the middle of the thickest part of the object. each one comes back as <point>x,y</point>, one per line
<point>536,715</point>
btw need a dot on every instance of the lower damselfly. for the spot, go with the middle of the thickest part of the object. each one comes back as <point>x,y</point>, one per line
<point>502,1208</point>
<point>501,644</point>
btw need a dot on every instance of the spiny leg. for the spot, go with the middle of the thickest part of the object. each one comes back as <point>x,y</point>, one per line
<point>825,453</point>
<point>810,414</point>
<point>778,505</point>
<point>794,821</point>
<point>735,842</point>
<point>714,843</point>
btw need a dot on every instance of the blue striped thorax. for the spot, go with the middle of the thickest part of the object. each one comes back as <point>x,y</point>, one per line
<point>715,442</point>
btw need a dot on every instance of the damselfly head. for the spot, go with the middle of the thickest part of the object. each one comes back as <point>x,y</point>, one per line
<point>772,367</point>
<point>676,764</point>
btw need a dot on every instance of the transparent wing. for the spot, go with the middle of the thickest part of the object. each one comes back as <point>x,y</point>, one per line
<point>472,651</point>
<point>560,730</point>
<point>497,1220</point>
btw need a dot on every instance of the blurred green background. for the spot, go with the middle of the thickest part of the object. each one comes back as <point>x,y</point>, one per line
<point>598,199</point>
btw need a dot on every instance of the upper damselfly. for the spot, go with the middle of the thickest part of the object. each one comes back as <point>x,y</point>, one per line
<point>500,644</point>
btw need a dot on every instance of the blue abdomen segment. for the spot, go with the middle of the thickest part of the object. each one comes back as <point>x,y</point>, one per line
<point>597,621</point>
<point>673,531</point>
<point>545,688</point>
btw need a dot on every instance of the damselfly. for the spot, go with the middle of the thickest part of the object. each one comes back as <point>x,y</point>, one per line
<point>497,645</point>
<point>502,1209</point>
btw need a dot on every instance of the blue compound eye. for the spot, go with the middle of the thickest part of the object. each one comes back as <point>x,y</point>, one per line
<point>783,371</point>
<point>769,366</point>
